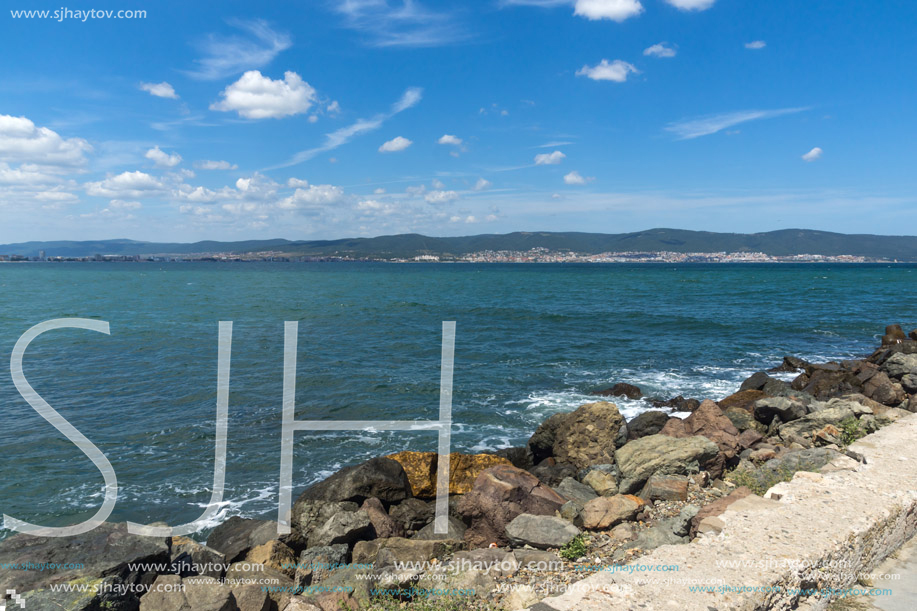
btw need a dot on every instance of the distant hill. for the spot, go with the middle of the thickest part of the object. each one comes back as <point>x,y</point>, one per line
<point>780,243</point>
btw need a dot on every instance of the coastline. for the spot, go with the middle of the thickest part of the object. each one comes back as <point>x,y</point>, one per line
<point>589,492</point>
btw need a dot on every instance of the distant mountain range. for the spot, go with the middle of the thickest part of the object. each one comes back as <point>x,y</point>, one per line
<point>778,243</point>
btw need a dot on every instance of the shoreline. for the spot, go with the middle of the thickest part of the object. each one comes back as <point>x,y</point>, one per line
<point>589,490</point>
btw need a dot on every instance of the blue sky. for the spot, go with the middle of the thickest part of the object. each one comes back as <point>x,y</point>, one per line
<point>365,117</point>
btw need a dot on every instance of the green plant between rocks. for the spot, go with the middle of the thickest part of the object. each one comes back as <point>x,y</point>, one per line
<point>851,430</point>
<point>442,603</point>
<point>759,481</point>
<point>576,548</point>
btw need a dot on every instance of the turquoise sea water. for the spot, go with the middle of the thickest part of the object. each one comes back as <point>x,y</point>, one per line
<point>531,340</point>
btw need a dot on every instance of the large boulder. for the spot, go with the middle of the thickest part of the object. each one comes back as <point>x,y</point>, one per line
<point>894,334</point>
<point>382,478</point>
<point>276,555</point>
<point>541,443</point>
<point>880,388</point>
<point>604,512</point>
<point>317,563</point>
<point>709,421</point>
<point>413,514</point>
<point>551,473</point>
<point>573,490</point>
<point>421,469</point>
<point>662,454</point>
<point>383,525</point>
<point>191,558</point>
<point>810,423</point>
<point>500,494</point>
<point>311,515</point>
<point>756,382</point>
<point>343,527</point>
<point>665,488</point>
<point>455,531</point>
<point>587,436</point>
<point>744,399</point>
<point>647,423</point>
<point>541,532</point>
<point>787,408</point>
<point>108,551</point>
<point>236,536</point>
<point>825,382</point>
<point>172,593</point>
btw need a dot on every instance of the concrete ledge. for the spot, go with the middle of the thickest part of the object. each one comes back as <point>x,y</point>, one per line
<point>816,532</point>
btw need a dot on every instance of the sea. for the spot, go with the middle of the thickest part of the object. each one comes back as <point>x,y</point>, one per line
<point>531,340</point>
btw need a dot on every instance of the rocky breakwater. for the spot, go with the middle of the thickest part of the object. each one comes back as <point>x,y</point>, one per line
<point>589,490</point>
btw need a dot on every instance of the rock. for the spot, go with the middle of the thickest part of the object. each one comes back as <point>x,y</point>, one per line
<point>541,444</point>
<point>808,424</point>
<point>310,515</point>
<point>716,508</point>
<point>251,597</point>
<point>755,382</point>
<point>604,512</point>
<point>521,597</point>
<point>553,474</point>
<point>172,593</point>
<point>107,551</point>
<point>709,421</point>
<point>641,458</point>
<point>317,563</point>
<point>421,469</point>
<point>301,603</point>
<point>647,423</point>
<point>858,409</point>
<point>749,438</point>
<point>587,435</point>
<point>800,381</point>
<point>909,383</point>
<point>827,436</point>
<point>353,583</point>
<point>395,551</point>
<point>572,511</point>
<point>191,558</point>
<point>743,399</point>
<point>900,364</point>
<point>742,419</point>
<point>571,489</point>
<point>665,488</point>
<point>762,455</point>
<point>456,531</point>
<point>777,388</point>
<point>913,335</point>
<point>825,383</point>
<point>343,527</point>
<point>621,389</point>
<point>651,538</point>
<point>382,478</point>
<point>413,514</point>
<point>789,364</point>
<point>247,573</point>
<point>500,494</point>
<point>383,525</point>
<point>275,555</point>
<point>541,532</point>
<point>784,407</point>
<point>804,460</point>
<point>521,458</point>
<point>893,335</point>
<point>890,415</point>
<point>604,484</point>
<point>880,388</point>
<point>678,404</point>
<point>335,601</point>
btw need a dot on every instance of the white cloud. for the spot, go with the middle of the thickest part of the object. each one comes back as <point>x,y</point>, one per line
<point>466,219</point>
<point>813,155</point>
<point>313,118</point>
<point>416,191</point>
<point>441,197</point>
<point>315,196</point>
<point>120,204</point>
<point>333,108</point>
<point>226,56</point>
<point>160,90</point>
<point>616,71</point>
<point>133,185</point>
<point>616,10</point>
<point>255,96</point>
<point>410,98</point>
<point>450,139</point>
<point>438,184</point>
<point>704,126</point>
<point>22,142</point>
<point>401,23</point>
<point>692,5</point>
<point>755,44</point>
<point>549,158</point>
<point>297,182</point>
<point>208,164</point>
<point>482,184</point>
<point>575,178</point>
<point>660,50</point>
<point>398,143</point>
<point>379,191</point>
<point>162,159</point>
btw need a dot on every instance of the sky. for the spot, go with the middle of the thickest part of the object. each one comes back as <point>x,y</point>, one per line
<point>321,119</point>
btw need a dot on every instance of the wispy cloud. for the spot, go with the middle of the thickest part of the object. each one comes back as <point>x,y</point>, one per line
<point>660,50</point>
<point>409,99</point>
<point>225,56</point>
<point>711,124</point>
<point>401,24</point>
<point>616,71</point>
<point>813,155</point>
<point>755,44</point>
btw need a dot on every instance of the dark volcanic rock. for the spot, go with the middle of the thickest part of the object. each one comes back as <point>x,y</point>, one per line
<point>236,536</point>
<point>382,478</point>
<point>743,399</point>
<point>541,444</point>
<point>499,495</point>
<point>103,552</point>
<point>827,383</point>
<point>789,364</point>
<point>893,335</point>
<point>383,524</point>
<point>521,458</point>
<point>552,474</point>
<point>621,389</point>
<point>678,404</point>
<point>756,382</point>
<point>647,423</point>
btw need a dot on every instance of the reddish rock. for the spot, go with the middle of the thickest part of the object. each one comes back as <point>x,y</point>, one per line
<point>709,421</point>
<point>717,507</point>
<point>606,511</point>
<point>666,488</point>
<point>500,494</point>
<point>744,399</point>
<point>749,438</point>
<point>384,525</point>
<point>621,389</point>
